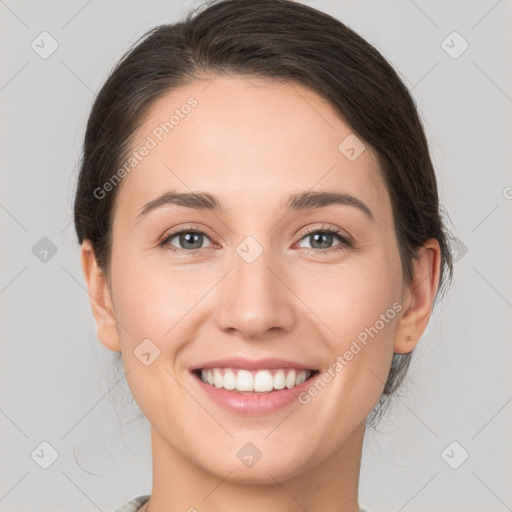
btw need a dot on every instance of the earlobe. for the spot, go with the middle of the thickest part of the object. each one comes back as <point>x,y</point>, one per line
<point>100,299</point>
<point>419,297</point>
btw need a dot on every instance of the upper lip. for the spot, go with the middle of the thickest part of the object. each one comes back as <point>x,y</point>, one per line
<point>268,363</point>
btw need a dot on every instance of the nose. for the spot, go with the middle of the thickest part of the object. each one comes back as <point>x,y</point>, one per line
<point>255,300</point>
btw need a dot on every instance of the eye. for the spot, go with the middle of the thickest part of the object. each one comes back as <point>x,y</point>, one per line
<point>321,239</point>
<point>189,240</point>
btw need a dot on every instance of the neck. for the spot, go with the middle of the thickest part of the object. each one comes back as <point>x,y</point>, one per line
<point>181,485</point>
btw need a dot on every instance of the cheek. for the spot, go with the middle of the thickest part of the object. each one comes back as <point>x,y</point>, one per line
<point>135,298</point>
<point>165,304</point>
<point>145,291</point>
<point>359,307</point>
<point>350,298</point>
<point>151,303</point>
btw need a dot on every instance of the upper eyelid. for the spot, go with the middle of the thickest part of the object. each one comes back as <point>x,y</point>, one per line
<point>187,229</point>
<point>336,230</point>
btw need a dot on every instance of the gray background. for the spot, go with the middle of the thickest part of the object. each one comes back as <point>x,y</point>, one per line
<point>59,384</point>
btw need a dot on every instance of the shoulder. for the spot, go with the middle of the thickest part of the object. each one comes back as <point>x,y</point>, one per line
<point>133,504</point>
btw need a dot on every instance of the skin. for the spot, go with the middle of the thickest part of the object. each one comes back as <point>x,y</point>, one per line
<point>252,143</point>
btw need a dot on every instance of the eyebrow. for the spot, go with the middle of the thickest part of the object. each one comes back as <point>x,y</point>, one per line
<point>300,201</point>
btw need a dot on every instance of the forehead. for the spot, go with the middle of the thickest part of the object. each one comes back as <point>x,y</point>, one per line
<point>250,141</point>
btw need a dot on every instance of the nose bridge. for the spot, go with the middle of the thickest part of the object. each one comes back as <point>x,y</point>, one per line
<point>254,299</point>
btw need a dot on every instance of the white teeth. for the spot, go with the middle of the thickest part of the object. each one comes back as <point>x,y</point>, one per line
<point>218,381</point>
<point>261,381</point>
<point>300,378</point>
<point>229,380</point>
<point>290,379</point>
<point>279,380</point>
<point>244,381</point>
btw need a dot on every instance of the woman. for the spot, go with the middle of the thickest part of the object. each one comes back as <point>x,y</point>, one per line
<point>262,243</point>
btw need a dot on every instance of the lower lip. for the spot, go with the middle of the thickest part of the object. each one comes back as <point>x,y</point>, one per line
<point>253,404</point>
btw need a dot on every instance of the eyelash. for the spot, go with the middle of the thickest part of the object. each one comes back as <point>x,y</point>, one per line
<point>345,241</point>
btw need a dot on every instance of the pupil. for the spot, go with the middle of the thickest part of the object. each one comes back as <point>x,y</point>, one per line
<point>325,245</point>
<point>187,238</point>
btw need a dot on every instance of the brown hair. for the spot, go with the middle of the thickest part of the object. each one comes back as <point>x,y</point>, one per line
<point>277,40</point>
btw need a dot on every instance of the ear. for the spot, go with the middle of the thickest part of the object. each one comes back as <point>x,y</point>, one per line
<point>100,299</point>
<point>418,298</point>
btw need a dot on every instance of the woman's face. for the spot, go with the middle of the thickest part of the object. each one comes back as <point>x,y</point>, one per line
<point>260,283</point>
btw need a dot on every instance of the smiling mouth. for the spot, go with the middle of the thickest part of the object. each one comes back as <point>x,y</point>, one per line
<point>254,381</point>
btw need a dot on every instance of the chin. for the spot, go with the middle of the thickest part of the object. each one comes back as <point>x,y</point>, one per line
<point>281,466</point>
